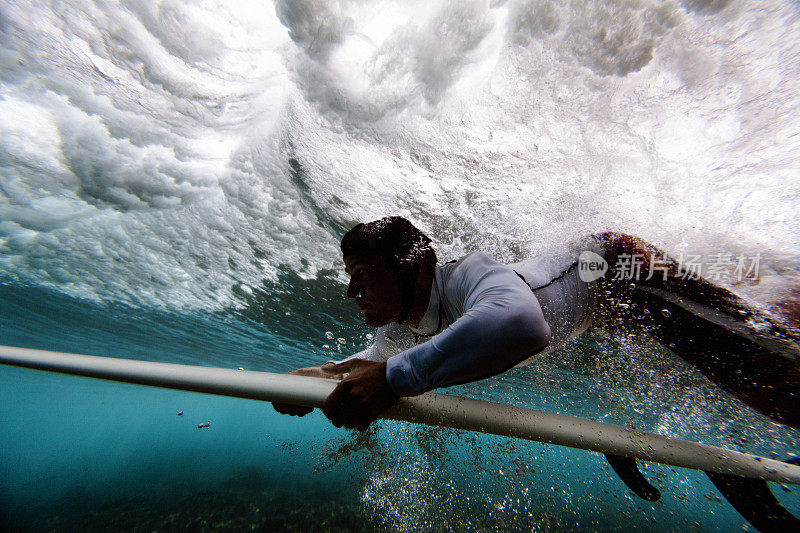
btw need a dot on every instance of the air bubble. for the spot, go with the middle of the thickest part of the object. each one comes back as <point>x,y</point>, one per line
<point>666,313</point>
<point>341,341</point>
<point>329,334</point>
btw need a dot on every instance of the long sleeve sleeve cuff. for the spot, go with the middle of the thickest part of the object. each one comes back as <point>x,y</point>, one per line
<point>401,377</point>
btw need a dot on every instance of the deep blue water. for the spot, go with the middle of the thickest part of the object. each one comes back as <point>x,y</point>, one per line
<point>80,453</point>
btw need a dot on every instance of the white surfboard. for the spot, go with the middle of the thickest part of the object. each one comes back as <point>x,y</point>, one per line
<point>431,409</point>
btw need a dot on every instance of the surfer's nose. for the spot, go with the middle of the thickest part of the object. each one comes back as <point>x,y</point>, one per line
<point>352,290</point>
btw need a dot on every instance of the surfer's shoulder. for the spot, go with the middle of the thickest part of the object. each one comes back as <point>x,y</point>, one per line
<point>471,260</point>
<point>467,270</point>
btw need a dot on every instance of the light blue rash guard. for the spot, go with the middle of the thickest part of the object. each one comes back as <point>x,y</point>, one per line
<point>483,318</point>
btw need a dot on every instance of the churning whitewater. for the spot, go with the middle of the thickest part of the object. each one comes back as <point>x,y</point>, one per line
<point>175,176</point>
<point>163,153</point>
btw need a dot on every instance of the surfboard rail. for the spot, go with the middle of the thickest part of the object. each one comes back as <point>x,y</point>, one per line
<point>432,409</point>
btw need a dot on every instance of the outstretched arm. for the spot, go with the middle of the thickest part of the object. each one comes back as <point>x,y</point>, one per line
<point>502,325</point>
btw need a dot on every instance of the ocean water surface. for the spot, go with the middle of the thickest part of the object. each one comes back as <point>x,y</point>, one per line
<point>175,177</point>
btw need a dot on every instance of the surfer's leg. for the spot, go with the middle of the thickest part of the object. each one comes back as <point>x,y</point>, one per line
<point>765,380</point>
<point>707,326</point>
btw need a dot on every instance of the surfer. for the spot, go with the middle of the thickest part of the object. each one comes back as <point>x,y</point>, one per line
<point>474,318</point>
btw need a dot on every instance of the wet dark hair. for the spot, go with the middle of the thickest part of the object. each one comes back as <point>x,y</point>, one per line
<point>403,247</point>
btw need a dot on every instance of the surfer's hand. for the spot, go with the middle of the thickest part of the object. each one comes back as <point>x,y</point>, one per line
<point>361,396</point>
<point>293,410</point>
<point>327,371</point>
<point>324,371</point>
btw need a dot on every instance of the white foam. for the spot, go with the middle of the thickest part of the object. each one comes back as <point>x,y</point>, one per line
<point>165,153</point>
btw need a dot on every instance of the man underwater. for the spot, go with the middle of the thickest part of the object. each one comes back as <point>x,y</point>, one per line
<point>474,318</point>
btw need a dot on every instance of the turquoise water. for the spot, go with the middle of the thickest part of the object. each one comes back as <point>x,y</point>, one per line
<point>84,454</point>
<point>175,177</point>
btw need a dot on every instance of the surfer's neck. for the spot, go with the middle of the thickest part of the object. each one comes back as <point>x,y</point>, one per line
<point>422,297</point>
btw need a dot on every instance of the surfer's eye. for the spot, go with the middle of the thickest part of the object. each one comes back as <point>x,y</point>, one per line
<point>359,272</point>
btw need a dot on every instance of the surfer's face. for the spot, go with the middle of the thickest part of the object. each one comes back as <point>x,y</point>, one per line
<point>375,289</point>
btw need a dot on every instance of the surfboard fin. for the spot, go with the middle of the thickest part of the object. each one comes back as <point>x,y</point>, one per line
<point>628,471</point>
<point>752,498</point>
<point>755,502</point>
